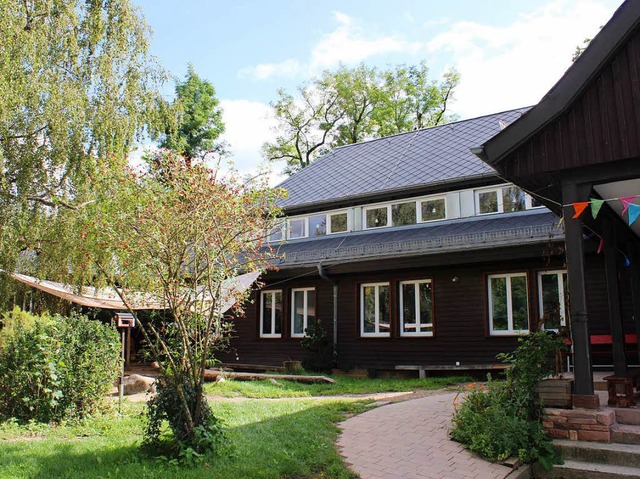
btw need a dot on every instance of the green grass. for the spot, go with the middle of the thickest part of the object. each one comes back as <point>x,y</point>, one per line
<point>343,385</point>
<point>292,439</point>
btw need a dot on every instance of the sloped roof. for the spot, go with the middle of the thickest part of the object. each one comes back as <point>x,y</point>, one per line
<point>525,227</point>
<point>423,157</point>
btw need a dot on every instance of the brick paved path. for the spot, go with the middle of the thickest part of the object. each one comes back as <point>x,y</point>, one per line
<point>409,440</point>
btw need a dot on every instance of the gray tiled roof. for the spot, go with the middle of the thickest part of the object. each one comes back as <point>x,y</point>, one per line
<point>430,156</point>
<point>534,226</point>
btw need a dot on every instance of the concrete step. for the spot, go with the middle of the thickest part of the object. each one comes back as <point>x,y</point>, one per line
<point>630,415</point>
<point>587,470</point>
<point>594,452</point>
<point>625,434</point>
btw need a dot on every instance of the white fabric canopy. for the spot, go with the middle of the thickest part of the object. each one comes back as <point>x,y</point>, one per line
<point>107,298</point>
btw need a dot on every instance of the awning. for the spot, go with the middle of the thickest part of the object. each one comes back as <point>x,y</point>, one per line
<point>107,298</point>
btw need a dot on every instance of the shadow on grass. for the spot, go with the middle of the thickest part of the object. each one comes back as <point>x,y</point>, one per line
<point>266,441</point>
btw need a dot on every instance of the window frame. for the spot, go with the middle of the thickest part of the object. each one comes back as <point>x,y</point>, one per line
<point>273,314</point>
<point>419,202</point>
<point>365,209</point>
<point>329,224</point>
<point>510,331</point>
<point>305,220</point>
<point>498,190</point>
<point>416,283</point>
<point>561,292</point>
<point>376,333</point>
<point>305,319</point>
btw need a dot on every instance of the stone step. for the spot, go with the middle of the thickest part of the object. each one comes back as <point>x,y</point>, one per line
<point>628,416</point>
<point>625,434</point>
<point>587,470</point>
<point>594,452</point>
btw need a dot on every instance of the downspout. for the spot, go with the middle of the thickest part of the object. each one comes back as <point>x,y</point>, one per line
<point>334,283</point>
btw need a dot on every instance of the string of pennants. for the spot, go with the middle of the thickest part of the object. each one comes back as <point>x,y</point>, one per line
<point>631,209</point>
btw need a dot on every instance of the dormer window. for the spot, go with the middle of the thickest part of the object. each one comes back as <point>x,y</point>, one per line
<point>377,217</point>
<point>504,199</point>
<point>433,209</point>
<point>297,228</point>
<point>317,225</point>
<point>338,223</point>
<point>403,214</point>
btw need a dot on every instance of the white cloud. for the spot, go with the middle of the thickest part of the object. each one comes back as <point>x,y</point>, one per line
<point>348,44</point>
<point>515,65</point>
<point>247,126</point>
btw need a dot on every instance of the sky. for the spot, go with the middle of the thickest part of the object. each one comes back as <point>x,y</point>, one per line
<point>508,53</point>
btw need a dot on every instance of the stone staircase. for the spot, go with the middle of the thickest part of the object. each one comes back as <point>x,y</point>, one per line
<point>617,459</point>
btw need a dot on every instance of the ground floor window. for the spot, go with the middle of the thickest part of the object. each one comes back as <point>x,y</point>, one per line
<point>508,304</point>
<point>271,314</point>
<point>416,313</point>
<point>303,310</point>
<point>553,299</point>
<point>374,309</point>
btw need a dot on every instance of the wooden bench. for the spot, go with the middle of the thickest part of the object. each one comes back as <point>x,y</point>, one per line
<point>601,344</point>
<point>423,369</point>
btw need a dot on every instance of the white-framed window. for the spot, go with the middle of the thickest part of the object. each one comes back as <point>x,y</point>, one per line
<point>271,314</point>
<point>416,308</point>
<point>298,228</point>
<point>432,209</point>
<point>403,214</point>
<point>338,222</point>
<point>303,310</point>
<point>374,310</point>
<point>317,225</point>
<point>503,199</point>
<point>276,233</point>
<point>553,298</point>
<point>376,216</point>
<point>508,304</point>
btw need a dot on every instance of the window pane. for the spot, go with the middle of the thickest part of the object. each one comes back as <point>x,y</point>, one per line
<point>499,304</point>
<point>267,307</point>
<point>278,308</point>
<point>338,223</point>
<point>369,312</point>
<point>298,312</point>
<point>403,214</point>
<point>433,210</point>
<point>318,225</point>
<point>383,295</point>
<point>488,202</point>
<point>275,234</point>
<point>296,228</point>
<point>550,301</point>
<point>311,309</point>
<point>519,303</point>
<point>376,217</point>
<point>512,199</point>
<point>425,308</point>
<point>409,308</point>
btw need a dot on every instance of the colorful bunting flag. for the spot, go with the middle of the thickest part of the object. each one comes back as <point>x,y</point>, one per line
<point>595,206</point>
<point>579,207</point>
<point>627,263</point>
<point>600,246</point>
<point>634,212</point>
<point>626,201</point>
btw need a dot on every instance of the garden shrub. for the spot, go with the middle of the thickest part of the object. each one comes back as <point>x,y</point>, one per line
<point>56,368</point>
<point>506,419</point>
<point>319,348</point>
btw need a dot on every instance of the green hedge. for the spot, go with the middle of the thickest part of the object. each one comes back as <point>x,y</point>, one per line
<point>54,368</point>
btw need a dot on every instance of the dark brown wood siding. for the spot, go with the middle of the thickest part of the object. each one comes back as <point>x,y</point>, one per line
<point>601,126</point>
<point>460,316</point>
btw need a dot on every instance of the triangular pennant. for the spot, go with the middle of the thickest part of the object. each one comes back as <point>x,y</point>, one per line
<point>627,263</point>
<point>600,246</point>
<point>626,201</point>
<point>634,212</point>
<point>579,207</point>
<point>595,206</point>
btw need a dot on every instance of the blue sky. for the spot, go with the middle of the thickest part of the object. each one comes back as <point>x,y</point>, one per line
<point>509,53</point>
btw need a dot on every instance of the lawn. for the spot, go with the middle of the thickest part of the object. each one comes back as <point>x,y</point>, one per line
<point>293,438</point>
<point>344,385</point>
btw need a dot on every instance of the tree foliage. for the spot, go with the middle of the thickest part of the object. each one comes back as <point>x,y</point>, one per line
<point>176,230</point>
<point>350,105</point>
<point>200,123</point>
<point>76,85</point>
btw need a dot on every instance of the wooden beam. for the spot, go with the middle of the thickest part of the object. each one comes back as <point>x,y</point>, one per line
<point>633,250</point>
<point>578,298</point>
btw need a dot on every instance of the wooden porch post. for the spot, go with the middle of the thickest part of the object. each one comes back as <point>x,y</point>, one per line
<point>583,374</point>
<point>634,254</point>
<point>613,296</point>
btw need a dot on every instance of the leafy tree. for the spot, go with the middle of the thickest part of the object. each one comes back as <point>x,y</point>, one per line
<point>177,232</point>
<point>200,124</point>
<point>76,85</point>
<point>349,105</point>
